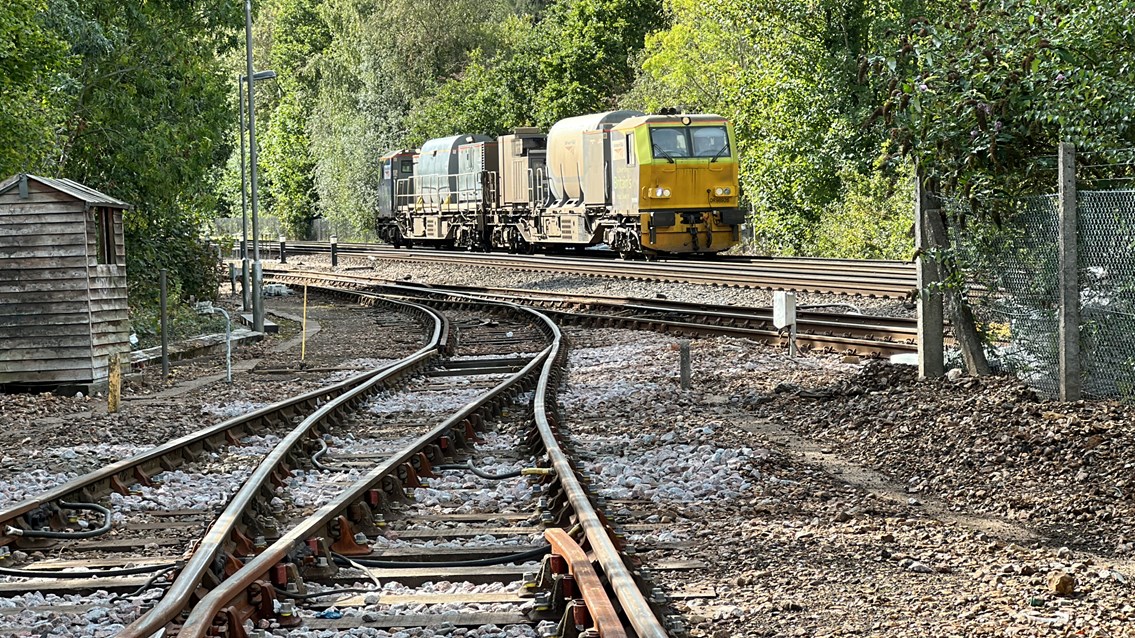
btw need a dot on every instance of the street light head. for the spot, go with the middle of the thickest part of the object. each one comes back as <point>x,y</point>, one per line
<point>260,75</point>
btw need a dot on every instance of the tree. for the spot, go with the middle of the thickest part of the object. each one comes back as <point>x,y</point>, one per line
<point>587,64</point>
<point>382,57</point>
<point>146,109</point>
<point>32,57</point>
<point>492,95</point>
<point>786,74</point>
<point>976,96</point>
<point>298,36</point>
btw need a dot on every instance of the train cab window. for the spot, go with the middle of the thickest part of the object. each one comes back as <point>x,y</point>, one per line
<point>407,167</point>
<point>669,142</point>
<point>630,149</point>
<point>709,141</point>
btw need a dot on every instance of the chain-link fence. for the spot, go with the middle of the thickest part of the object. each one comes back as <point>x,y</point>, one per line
<point>320,229</point>
<point>1107,291</point>
<point>269,228</point>
<point>1013,286</point>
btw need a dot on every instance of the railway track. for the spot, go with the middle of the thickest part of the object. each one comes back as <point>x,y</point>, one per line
<point>352,485</point>
<point>817,330</point>
<point>869,278</point>
<point>108,530</point>
<point>251,593</point>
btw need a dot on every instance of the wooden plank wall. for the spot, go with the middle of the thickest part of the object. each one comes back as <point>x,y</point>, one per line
<point>110,323</point>
<point>44,303</point>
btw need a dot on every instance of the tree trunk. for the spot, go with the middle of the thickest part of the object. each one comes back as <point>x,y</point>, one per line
<point>961,316</point>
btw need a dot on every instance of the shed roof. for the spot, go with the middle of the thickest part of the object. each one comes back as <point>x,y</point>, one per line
<point>85,194</point>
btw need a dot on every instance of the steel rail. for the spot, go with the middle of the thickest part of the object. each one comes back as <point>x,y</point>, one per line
<point>602,613</point>
<point>228,592</point>
<point>189,579</point>
<point>357,248</point>
<point>638,611</point>
<point>861,334</point>
<point>871,278</point>
<point>141,465</point>
<point>634,604</point>
<point>771,335</point>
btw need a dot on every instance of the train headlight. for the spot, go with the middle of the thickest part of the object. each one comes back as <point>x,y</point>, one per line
<point>728,191</point>
<point>662,192</point>
<point>719,191</point>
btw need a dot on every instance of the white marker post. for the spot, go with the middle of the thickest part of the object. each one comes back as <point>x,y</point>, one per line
<point>784,315</point>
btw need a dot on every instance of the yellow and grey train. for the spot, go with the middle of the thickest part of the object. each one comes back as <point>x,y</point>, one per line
<point>641,184</point>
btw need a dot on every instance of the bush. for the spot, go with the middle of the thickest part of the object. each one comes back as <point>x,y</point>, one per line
<point>873,219</point>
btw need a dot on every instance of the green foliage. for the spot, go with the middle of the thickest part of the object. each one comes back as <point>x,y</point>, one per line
<point>31,58</point>
<point>299,36</point>
<point>182,320</point>
<point>786,74</point>
<point>288,166</point>
<point>382,57</point>
<point>494,93</point>
<point>587,62</point>
<point>978,94</point>
<point>871,219</point>
<point>146,115</point>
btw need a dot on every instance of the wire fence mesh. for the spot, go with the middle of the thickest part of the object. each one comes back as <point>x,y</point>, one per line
<point>1012,284</point>
<point>1107,291</point>
<point>269,228</point>
<point>1013,287</point>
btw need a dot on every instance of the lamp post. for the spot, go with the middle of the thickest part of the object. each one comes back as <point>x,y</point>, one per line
<point>257,300</point>
<point>247,296</point>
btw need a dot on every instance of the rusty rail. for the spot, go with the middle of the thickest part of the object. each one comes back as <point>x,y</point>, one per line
<point>237,597</point>
<point>230,597</point>
<point>185,586</point>
<point>875,278</point>
<point>599,607</point>
<point>138,468</point>
<point>842,333</point>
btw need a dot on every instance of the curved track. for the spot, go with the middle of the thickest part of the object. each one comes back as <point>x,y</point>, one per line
<point>870,278</point>
<point>229,583</point>
<point>826,331</point>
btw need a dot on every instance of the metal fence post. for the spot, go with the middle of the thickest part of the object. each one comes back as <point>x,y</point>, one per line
<point>684,363</point>
<point>245,273</point>
<point>1070,384</point>
<point>165,324</point>
<point>931,342</point>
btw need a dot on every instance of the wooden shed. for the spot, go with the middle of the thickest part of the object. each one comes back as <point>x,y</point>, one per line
<point>62,284</point>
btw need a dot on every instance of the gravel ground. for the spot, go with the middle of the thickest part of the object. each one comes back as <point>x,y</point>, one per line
<point>831,499</point>
<point>822,498</point>
<point>76,434</point>
<point>62,437</point>
<point>468,275</point>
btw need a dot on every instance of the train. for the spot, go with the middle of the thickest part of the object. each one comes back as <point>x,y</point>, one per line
<point>644,185</point>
